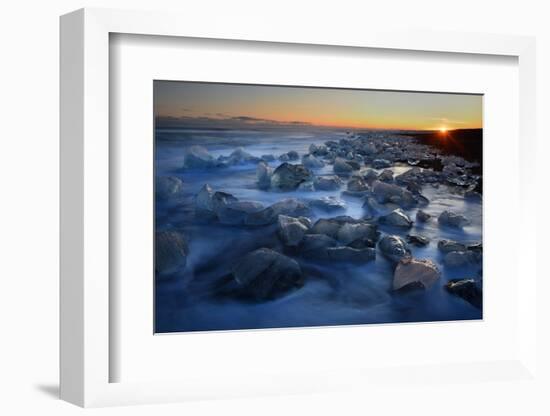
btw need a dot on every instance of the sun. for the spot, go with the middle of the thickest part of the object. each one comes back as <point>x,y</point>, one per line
<point>443,130</point>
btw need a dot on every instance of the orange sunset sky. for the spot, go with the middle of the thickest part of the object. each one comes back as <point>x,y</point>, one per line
<point>196,104</point>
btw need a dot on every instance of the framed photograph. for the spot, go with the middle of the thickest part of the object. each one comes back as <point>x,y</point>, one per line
<point>282,206</point>
<point>265,213</point>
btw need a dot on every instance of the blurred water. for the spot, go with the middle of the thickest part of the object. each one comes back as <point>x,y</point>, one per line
<point>333,294</point>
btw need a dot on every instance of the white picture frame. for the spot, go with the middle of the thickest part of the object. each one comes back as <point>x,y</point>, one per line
<point>85,211</point>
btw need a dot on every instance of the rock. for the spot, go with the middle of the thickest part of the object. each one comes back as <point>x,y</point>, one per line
<point>418,240</point>
<point>315,245</point>
<point>446,246</point>
<point>415,188</point>
<point>289,156</point>
<point>264,217</point>
<point>394,248</point>
<point>284,157</point>
<point>321,150</point>
<point>421,199</point>
<point>370,176</point>
<point>411,270</point>
<point>197,157</point>
<point>170,253</point>
<point>462,180</point>
<point>472,195</point>
<point>396,218</point>
<point>422,216</point>
<point>306,187</point>
<point>358,159</point>
<point>413,176</point>
<point>357,184</point>
<point>240,156</point>
<point>312,162</point>
<point>386,192</point>
<point>351,254</point>
<point>342,167</point>
<point>236,212</point>
<point>452,219</point>
<point>318,150</point>
<point>398,200</point>
<point>268,158</point>
<point>408,200</point>
<point>410,288</point>
<point>467,289</point>
<point>327,226</point>
<point>369,149</point>
<point>354,232</point>
<point>331,226</point>
<point>263,175</point>
<point>291,207</point>
<point>293,155</point>
<point>351,194</point>
<point>203,200</point>
<point>451,171</point>
<point>327,183</point>
<point>477,247</point>
<point>380,163</point>
<point>328,204</point>
<point>167,186</point>
<point>288,177</point>
<point>361,243</point>
<point>220,200</point>
<point>461,258</point>
<point>386,176</point>
<point>374,208</point>
<point>354,164</point>
<point>264,274</point>
<point>291,230</point>
<point>222,162</point>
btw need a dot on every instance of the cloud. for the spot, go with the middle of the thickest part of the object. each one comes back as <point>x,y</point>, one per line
<point>446,120</point>
<point>248,119</point>
<point>222,121</point>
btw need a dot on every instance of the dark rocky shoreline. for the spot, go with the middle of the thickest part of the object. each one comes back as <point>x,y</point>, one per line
<point>465,143</point>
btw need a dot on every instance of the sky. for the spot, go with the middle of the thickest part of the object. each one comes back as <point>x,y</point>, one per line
<point>218,105</point>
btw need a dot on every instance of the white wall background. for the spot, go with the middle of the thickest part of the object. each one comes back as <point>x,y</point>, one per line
<point>29,206</point>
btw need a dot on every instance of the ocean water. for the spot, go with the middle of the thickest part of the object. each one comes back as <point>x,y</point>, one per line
<point>333,294</point>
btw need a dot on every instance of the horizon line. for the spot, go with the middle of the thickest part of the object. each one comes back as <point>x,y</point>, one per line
<point>276,124</point>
